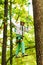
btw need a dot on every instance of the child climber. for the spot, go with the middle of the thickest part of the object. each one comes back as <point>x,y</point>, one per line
<point>20,28</point>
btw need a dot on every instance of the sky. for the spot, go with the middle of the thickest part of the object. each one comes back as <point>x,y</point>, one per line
<point>30,8</point>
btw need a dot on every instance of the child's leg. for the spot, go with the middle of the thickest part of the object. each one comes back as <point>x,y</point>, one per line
<point>23,47</point>
<point>18,48</point>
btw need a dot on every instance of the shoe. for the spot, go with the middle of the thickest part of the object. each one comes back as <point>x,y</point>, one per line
<point>24,55</point>
<point>17,56</point>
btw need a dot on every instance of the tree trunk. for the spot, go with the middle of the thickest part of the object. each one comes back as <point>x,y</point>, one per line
<point>38,24</point>
<point>5,33</point>
<point>11,45</point>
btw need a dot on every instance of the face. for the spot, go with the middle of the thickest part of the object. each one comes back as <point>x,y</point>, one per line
<point>22,23</point>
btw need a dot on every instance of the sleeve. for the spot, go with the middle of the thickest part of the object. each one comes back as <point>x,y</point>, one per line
<point>14,23</point>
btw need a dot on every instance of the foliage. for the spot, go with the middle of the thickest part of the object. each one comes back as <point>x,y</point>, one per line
<point>19,12</point>
<point>1,11</point>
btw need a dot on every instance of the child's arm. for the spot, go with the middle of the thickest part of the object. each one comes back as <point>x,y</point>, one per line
<point>14,24</point>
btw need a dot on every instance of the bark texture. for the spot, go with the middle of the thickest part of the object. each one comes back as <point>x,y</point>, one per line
<point>38,24</point>
<point>4,33</point>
